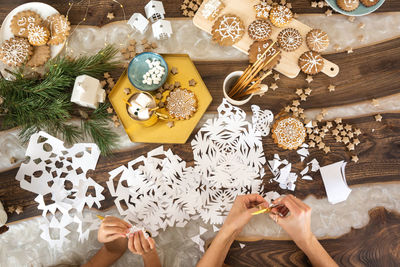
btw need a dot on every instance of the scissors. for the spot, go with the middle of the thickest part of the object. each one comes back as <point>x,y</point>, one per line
<point>282,210</point>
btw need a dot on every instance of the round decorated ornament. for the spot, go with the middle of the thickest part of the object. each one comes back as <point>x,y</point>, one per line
<point>311,62</point>
<point>289,39</point>
<point>289,133</point>
<point>227,30</point>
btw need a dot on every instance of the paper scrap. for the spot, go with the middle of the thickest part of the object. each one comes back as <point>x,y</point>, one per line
<point>334,179</point>
<point>307,177</point>
<point>215,228</point>
<point>202,230</point>
<point>242,245</point>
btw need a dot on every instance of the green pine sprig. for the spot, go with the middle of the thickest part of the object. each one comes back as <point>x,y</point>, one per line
<point>35,102</point>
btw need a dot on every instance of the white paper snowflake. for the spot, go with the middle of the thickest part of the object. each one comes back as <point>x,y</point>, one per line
<point>262,120</point>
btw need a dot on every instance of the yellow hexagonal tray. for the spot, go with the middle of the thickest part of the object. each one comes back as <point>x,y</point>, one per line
<point>160,132</point>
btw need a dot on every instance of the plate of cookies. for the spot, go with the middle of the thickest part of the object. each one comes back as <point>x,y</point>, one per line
<point>355,7</point>
<point>31,34</point>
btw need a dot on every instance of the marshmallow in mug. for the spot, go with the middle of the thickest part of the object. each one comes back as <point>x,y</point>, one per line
<point>139,107</point>
<point>155,72</point>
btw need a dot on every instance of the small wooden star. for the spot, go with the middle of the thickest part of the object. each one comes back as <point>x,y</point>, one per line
<point>110,16</point>
<point>361,25</point>
<point>357,131</point>
<point>19,209</point>
<point>309,130</point>
<point>324,111</point>
<point>327,149</point>
<point>312,137</point>
<point>350,134</point>
<point>106,75</point>
<point>343,133</point>
<point>375,102</point>
<point>302,116</point>
<point>116,124</point>
<point>328,12</point>
<point>114,118</point>
<point>336,47</point>
<point>338,120</point>
<point>322,134</point>
<point>350,147</point>
<point>289,5</point>
<point>351,18</point>
<point>324,129</point>
<point>339,127</point>
<point>283,2</point>
<point>11,209</point>
<point>314,124</point>
<point>347,127</point>
<point>346,140</point>
<point>174,70</point>
<point>311,144</point>
<point>319,117</point>
<point>356,141</point>
<point>378,117</point>
<point>338,139</point>
<point>192,82</point>
<point>321,4</point>
<point>296,103</point>
<point>287,108</point>
<point>309,78</point>
<point>318,139</point>
<point>273,86</point>
<point>303,97</point>
<point>296,114</point>
<point>316,131</point>
<point>110,110</point>
<point>331,88</point>
<point>335,132</point>
<point>321,145</point>
<point>299,91</point>
<point>329,124</point>
<point>170,124</point>
<point>349,50</point>
<point>103,83</point>
<point>314,4</point>
<point>276,76</point>
<point>301,110</point>
<point>294,109</point>
<point>354,158</point>
<point>308,91</point>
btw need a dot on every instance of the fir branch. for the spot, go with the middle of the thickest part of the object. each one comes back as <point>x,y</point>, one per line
<point>97,126</point>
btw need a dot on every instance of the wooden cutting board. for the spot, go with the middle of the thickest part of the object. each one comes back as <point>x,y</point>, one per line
<point>244,9</point>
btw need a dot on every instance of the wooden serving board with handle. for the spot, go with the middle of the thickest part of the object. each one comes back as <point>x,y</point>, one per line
<point>244,9</point>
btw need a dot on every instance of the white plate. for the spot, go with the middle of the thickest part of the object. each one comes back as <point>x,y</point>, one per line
<point>42,9</point>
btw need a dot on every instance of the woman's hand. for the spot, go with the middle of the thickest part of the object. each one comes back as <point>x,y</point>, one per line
<point>111,229</point>
<point>298,223</point>
<point>241,211</point>
<point>138,244</point>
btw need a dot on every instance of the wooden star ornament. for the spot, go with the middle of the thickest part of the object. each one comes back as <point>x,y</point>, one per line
<point>378,117</point>
<point>309,78</point>
<point>110,15</point>
<point>354,159</point>
<point>331,88</point>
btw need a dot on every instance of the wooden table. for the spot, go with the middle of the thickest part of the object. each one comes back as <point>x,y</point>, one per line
<point>369,72</point>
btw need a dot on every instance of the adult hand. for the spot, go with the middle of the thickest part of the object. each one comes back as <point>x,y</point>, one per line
<point>138,244</point>
<point>241,211</point>
<point>112,228</point>
<point>298,223</point>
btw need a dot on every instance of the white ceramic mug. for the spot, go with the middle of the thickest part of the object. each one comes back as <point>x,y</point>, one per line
<point>229,82</point>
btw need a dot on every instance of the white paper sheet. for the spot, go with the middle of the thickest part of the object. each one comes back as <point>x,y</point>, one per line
<point>334,179</point>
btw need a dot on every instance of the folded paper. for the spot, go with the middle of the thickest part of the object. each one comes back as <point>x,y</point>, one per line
<point>334,179</point>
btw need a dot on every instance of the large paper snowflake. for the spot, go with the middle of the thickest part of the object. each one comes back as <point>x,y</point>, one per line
<point>60,173</point>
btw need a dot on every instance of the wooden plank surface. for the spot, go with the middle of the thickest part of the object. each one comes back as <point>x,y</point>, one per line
<point>376,244</point>
<point>97,13</point>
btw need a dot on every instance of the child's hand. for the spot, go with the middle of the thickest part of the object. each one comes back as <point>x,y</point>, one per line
<point>112,228</point>
<point>138,244</point>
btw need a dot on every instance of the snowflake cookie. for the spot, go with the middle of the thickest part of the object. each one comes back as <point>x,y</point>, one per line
<point>23,21</point>
<point>212,8</point>
<point>259,30</point>
<point>15,51</point>
<point>38,35</point>
<point>317,40</point>
<point>227,30</point>
<point>181,104</point>
<point>59,28</point>
<point>262,10</point>
<point>311,62</point>
<point>289,39</point>
<point>289,133</point>
<point>280,16</point>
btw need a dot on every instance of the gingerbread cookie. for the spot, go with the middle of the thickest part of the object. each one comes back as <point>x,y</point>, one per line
<point>59,29</point>
<point>369,3</point>
<point>23,21</point>
<point>211,9</point>
<point>38,35</point>
<point>15,51</point>
<point>348,5</point>
<point>40,56</point>
<point>289,39</point>
<point>280,16</point>
<point>259,30</point>
<point>262,10</point>
<point>181,104</point>
<point>227,30</point>
<point>258,48</point>
<point>289,133</point>
<point>311,62</point>
<point>317,40</point>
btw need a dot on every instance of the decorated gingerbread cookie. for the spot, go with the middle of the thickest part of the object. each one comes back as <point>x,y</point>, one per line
<point>259,30</point>
<point>262,10</point>
<point>23,21</point>
<point>40,56</point>
<point>257,49</point>
<point>289,39</point>
<point>181,104</point>
<point>280,15</point>
<point>369,3</point>
<point>311,62</point>
<point>317,40</point>
<point>211,9</point>
<point>289,133</point>
<point>348,5</point>
<point>59,29</point>
<point>38,35</point>
<point>15,51</point>
<point>227,30</point>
